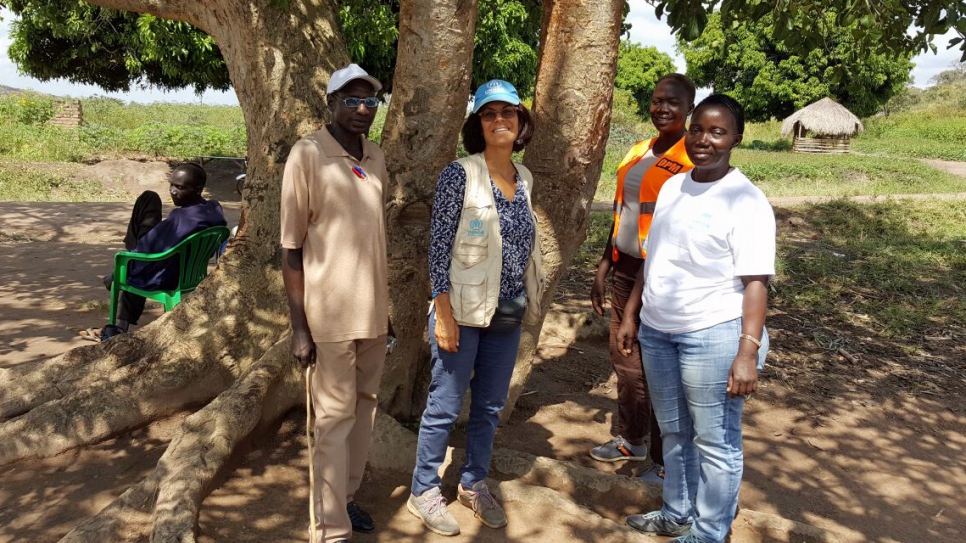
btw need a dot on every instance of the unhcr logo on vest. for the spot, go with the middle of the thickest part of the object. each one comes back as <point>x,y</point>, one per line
<point>476,228</point>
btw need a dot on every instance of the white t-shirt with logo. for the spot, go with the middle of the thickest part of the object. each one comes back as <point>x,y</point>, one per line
<point>704,237</point>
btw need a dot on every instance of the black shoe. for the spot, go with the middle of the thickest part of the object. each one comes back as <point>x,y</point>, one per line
<point>361,521</point>
<point>110,331</point>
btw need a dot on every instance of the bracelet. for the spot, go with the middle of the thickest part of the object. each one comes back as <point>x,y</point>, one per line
<point>751,339</point>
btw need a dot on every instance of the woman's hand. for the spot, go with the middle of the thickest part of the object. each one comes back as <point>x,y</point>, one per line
<point>743,377</point>
<point>598,291</point>
<point>626,334</point>
<point>447,333</point>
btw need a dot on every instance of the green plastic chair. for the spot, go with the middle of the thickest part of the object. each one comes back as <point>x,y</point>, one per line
<point>193,254</point>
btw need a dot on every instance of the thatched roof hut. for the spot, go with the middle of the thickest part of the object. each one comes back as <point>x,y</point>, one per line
<point>824,126</point>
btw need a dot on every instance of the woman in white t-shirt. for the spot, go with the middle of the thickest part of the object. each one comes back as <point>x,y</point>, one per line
<point>703,290</point>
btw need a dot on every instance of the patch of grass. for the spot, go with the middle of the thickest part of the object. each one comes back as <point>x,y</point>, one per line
<point>20,182</point>
<point>932,133</point>
<point>598,230</point>
<point>42,143</point>
<point>795,174</point>
<point>898,268</point>
<point>113,113</point>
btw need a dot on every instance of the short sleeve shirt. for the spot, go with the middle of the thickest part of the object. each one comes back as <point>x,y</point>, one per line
<point>704,238</point>
<point>333,208</point>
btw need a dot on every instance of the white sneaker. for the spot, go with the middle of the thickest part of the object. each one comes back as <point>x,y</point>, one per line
<point>431,509</point>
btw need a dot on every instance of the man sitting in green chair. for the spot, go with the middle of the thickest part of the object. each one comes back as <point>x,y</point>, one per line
<point>147,233</point>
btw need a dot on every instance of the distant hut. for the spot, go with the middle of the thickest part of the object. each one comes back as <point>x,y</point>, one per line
<point>822,127</point>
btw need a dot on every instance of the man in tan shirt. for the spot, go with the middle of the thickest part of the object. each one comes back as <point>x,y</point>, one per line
<point>336,279</point>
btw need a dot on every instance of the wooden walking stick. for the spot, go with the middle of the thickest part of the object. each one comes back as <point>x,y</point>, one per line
<point>308,435</point>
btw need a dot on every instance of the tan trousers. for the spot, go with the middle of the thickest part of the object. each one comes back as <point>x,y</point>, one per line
<point>345,382</point>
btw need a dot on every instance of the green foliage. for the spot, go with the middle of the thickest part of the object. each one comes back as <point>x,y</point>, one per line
<point>371,31</point>
<point>46,143</point>
<point>898,267</point>
<point>923,133</point>
<point>879,27</point>
<point>771,79</point>
<point>952,76</point>
<point>505,45</point>
<point>638,69</point>
<point>24,182</point>
<point>112,49</point>
<point>904,100</point>
<point>836,176</point>
<point>26,108</point>
<point>114,129</point>
<point>116,50</point>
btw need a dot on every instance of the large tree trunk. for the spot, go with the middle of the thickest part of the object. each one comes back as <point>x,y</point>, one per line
<point>575,86</point>
<point>431,89</point>
<point>218,343</point>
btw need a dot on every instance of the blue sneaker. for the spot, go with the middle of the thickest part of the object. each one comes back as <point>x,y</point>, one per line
<point>618,449</point>
<point>656,523</point>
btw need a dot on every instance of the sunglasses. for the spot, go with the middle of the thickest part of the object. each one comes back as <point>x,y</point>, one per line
<point>490,115</point>
<point>371,102</point>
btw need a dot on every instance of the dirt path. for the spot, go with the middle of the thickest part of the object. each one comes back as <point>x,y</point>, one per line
<point>953,167</point>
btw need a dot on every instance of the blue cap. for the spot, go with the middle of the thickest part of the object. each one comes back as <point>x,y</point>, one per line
<point>495,90</point>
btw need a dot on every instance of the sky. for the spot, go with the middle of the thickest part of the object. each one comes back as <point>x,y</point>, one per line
<point>645,29</point>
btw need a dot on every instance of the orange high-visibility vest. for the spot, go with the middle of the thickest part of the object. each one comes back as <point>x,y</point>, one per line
<point>673,162</point>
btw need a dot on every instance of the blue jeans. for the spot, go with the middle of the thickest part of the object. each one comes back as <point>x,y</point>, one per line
<point>483,364</point>
<point>687,375</point>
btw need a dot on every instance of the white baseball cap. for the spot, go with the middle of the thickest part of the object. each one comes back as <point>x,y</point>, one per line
<point>341,78</point>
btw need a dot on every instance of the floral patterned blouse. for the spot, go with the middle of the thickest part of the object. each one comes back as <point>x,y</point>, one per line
<point>516,229</point>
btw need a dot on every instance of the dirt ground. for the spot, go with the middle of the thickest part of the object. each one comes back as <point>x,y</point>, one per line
<point>873,447</point>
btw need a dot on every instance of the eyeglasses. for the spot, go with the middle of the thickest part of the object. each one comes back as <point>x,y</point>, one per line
<point>490,115</point>
<point>371,102</point>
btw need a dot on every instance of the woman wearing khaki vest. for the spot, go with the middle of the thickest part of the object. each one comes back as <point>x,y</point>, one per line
<point>484,266</point>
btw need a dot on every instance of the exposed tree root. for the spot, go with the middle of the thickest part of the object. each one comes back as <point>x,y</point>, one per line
<point>28,385</point>
<point>188,356</point>
<point>166,504</point>
<point>206,441</point>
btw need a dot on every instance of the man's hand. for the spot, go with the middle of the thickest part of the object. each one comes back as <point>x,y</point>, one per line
<point>303,348</point>
<point>447,333</point>
<point>743,377</point>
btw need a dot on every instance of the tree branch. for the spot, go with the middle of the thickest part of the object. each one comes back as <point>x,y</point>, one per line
<point>190,12</point>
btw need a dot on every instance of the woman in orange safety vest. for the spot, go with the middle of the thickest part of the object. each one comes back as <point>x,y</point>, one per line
<point>640,176</point>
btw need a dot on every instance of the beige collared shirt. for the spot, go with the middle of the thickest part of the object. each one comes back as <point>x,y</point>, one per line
<point>333,209</point>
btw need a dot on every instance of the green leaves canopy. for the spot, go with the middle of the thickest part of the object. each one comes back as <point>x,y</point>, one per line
<point>117,49</point>
<point>802,25</point>
<point>770,79</point>
<point>112,49</point>
<point>638,69</point>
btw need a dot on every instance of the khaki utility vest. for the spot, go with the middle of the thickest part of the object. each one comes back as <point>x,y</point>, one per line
<point>477,260</point>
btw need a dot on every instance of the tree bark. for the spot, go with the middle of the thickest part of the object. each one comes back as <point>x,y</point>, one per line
<point>431,83</point>
<point>575,86</point>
